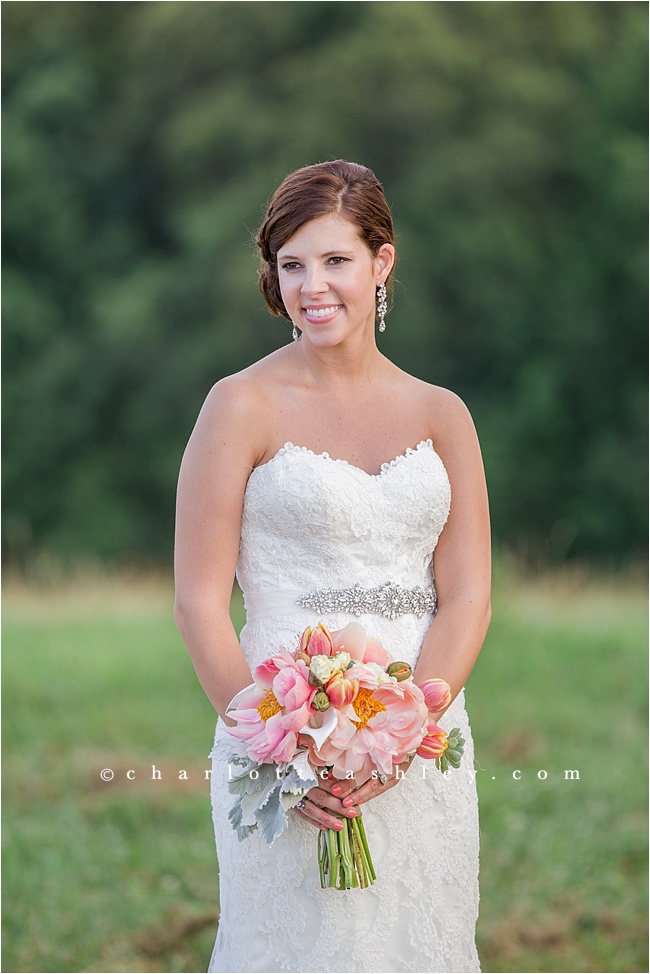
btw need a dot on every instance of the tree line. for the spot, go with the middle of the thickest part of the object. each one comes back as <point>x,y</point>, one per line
<point>141,143</point>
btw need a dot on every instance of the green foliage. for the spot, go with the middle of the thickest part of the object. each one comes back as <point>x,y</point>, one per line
<point>141,143</point>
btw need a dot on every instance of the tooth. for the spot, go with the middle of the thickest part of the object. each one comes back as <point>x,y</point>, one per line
<point>322,312</point>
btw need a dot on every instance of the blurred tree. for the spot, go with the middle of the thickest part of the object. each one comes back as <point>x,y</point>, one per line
<point>141,143</point>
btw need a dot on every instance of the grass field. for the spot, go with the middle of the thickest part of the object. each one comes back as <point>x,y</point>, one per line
<point>120,875</point>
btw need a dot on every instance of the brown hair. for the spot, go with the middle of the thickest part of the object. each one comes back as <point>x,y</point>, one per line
<point>328,187</point>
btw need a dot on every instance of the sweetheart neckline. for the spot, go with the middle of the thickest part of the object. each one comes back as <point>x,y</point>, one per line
<point>290,447</point>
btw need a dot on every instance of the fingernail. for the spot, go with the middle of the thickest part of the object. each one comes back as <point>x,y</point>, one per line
<point>348,801</point>
<point>352,812</point>
<point>336,790</point>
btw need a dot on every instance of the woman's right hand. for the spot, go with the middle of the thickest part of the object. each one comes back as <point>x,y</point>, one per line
<point>328,803</point>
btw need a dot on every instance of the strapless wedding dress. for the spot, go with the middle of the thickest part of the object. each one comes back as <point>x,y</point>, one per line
<point>311,523</point>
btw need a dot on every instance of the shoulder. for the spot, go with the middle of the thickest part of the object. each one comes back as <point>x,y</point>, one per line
<point>234,398</point>
<point>449,422</point>
<point>234,416</point>
<point>244,396</point>
<point>446,413</point>
<point>244,391</point>
<point>454,436</point>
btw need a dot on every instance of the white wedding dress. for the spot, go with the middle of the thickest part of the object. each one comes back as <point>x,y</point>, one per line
<point>311,523</point>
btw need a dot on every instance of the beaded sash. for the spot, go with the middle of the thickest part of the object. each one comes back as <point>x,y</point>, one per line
<point>389,600</point>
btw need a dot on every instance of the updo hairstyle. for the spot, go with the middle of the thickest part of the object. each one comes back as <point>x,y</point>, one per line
<point>328,188</point>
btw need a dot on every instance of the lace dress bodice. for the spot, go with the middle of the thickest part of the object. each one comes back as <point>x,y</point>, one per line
<point>311,522</point>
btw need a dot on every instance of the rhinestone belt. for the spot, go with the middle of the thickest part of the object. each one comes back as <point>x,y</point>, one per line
<point>388,600</point>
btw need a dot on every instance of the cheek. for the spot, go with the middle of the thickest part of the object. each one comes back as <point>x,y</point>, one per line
<point>288,289</point>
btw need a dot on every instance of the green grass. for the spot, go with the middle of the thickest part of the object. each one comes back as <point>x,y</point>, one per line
<point>561,685</point>
<point>121,875</point>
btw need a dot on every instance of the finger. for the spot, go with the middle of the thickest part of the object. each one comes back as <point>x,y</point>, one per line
<point>372,788</point>
<point>339,806</point>
<point>308,819</point>
<point>319,816</point>
<point>342,787</point>
<point>339,787</point>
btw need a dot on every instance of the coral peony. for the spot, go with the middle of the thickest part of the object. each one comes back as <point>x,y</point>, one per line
<point>354,640</point>
<point>383,724</point>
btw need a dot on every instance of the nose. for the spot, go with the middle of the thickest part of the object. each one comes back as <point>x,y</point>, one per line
<point>314,281</point>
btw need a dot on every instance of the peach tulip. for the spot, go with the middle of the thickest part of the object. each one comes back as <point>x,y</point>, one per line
<point>340,690</point>
<point>316,641</point>
<point>434,744</point>
<point>437,695</point>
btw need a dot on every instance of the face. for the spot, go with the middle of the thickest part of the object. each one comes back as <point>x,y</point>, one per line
<point>328,279</point>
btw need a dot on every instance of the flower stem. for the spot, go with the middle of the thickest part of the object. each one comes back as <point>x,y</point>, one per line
<point>358,858</point>
<point>349,876</point>
<point>344,860</point>
<point>334,857</point>
<point>323,860</point>
<point>360,833</point>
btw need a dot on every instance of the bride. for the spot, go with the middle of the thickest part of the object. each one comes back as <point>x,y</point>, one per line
<point>320,468</point>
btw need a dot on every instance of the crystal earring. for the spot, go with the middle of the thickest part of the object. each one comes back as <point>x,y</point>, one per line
<point>382,306</point>
<point>295,333</point>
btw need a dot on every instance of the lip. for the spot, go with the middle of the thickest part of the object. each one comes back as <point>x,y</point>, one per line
<point>321,313</point>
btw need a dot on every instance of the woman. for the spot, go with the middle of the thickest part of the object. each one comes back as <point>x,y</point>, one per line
<point>285,479</point>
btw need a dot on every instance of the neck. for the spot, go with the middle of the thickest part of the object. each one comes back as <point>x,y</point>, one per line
<point>353,361</point>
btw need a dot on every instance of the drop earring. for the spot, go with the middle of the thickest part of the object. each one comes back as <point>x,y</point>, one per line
<point>382,306</point>
<point>295,333</point>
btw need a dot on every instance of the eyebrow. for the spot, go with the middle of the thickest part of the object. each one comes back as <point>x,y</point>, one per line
<point>330,253</point>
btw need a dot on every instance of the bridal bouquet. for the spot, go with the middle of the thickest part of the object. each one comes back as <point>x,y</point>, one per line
<point>340,706</point>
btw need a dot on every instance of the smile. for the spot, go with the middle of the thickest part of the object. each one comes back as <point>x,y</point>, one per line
<point>322,312</point>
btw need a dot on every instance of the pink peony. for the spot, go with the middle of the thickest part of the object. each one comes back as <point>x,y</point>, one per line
<point>266,671</point>
<point>259,732</point>
<point>294,692</point>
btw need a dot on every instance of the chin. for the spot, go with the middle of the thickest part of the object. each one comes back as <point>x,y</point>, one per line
<point>325,341</point>
<point>323,336</point>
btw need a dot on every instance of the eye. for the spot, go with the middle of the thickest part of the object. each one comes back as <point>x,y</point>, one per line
<point>290,265</point>
<point>338,260</point>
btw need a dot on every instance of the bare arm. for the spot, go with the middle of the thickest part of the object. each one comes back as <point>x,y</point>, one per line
<point>462,556</point>
<point>216,465</point>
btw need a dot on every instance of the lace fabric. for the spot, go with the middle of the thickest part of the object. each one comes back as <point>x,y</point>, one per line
<point>310,522</point>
